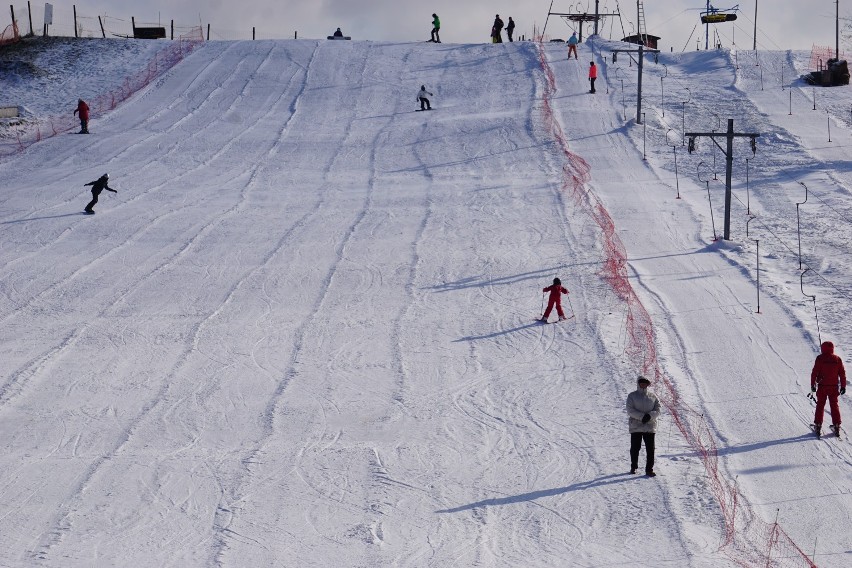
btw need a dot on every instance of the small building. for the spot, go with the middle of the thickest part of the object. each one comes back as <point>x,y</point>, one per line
<point>647,40</point>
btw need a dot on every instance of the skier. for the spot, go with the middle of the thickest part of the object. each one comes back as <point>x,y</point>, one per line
<point>98,186</point>
<point>436,28</point>
<point>593,74</point>
<point>510,28</point>
<point>828,378</point>
<point>496,36</point>
<point>572,45</point>
<point>424,100</point>
<point>643,408</point>
<point>83,110</point>
<point>555,299</point>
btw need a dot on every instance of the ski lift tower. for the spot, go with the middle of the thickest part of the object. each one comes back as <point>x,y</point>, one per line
<point>580,18</point>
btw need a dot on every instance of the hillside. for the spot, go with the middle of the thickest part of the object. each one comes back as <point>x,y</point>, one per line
<point>303,331</point>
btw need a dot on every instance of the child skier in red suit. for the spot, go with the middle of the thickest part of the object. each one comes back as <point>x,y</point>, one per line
<point>828,379</point>
<point>555,299</point>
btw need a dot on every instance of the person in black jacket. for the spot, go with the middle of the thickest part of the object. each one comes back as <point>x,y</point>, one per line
<point>497,29</point>
<point>98,186</point>
<point>510,28</point>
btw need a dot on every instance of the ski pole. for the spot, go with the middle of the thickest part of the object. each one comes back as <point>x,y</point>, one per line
<point>542,303</point>
<point>571,305</point>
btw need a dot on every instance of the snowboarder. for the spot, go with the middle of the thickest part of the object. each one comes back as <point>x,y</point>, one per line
<point>98,186</point>
<point>337,33</point>
<point>555,299</point>
<point>572,45</point>
<point>496,30</point>
<point>83,110</point>
<point>510,28</point>
<point>593,74</point>
<point>436,28</point>
<point>424,100</point>
<point>643,408</point>
<point>828,378</point>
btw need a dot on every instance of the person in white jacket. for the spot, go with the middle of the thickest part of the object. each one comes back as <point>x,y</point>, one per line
<point>423,96</point>
<point>643,408</point>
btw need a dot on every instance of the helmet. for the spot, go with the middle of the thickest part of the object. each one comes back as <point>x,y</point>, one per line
<point>106,176</point>
<point>557,281</point>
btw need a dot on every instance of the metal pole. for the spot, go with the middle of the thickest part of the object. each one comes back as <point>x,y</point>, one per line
<point>75,20</point>
<point>755,25</point>
<point>837,31</point>
<point>729,166</point>
<point>639,92</point>
<point>748,201</point>
<point>758,274</point>
<point>596,16</point>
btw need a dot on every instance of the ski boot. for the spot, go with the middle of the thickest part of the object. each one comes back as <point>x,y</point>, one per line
<point>836,429</point>
<point>817,430</point>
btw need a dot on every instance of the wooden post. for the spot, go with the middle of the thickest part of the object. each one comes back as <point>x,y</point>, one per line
<point>12,7</point>
<point>208,32</point>
<point>252,33</point>
<point>30,12</point>
<point>75,20</point>
<point>173,29</point>
<point>297,35</point>
<point>101,22</point>
<point>133,23</point>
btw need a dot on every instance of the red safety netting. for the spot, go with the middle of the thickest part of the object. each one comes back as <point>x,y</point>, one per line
<point>10,34</point>
<point>820,55</point>
<point>27,134</point>
<point>746,539</point>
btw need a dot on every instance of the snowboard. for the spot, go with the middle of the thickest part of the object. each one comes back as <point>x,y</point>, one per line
<point>344,37</point>
<point>88,212</point>
<point>421,109</point>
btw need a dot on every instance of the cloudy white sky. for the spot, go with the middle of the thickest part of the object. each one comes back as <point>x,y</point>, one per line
<point>781,23</point>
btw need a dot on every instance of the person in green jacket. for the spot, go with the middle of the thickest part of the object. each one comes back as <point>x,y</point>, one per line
<point>436,27</point>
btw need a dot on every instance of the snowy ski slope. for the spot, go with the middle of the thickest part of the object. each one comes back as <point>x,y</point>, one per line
<point>303,332</point>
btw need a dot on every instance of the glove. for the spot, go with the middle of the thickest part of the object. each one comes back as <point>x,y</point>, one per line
<point>646,418</point>
<point>813,389</point>
<point>843,391</point>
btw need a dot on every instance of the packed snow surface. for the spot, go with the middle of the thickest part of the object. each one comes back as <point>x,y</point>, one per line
<point>303,331</point>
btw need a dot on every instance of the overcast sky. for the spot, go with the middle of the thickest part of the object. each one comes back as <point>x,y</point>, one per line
<point>782,24</point>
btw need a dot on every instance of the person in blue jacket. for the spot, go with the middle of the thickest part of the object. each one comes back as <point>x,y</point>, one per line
<point>572,45</point>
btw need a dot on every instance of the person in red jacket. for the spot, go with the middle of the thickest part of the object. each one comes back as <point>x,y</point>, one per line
<point>556,291</point>
<point>83,109</point>
<point>593,74</point>
<point>828,379</point>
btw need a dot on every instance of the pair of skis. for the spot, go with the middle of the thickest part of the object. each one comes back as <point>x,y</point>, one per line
<point>834,429</point>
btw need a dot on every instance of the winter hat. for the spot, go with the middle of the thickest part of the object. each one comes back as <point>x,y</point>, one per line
<point>557,281</point>
<point>642,380</point>
<point>105,176</point>
<point>827,347</point>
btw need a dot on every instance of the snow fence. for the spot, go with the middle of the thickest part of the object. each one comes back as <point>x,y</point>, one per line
<point>746,539</point>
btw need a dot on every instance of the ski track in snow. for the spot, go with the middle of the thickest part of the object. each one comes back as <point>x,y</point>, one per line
<point>303,331</point>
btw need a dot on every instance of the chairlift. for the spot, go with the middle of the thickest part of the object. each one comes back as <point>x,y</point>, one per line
<point>716,16</point>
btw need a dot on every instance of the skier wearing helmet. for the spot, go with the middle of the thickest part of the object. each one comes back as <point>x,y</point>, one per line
<point>98,186</point>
